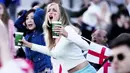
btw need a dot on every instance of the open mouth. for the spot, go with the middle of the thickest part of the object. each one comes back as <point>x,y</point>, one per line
<point>29,25</point>
<point>94,41</point>
<point>51,17</point>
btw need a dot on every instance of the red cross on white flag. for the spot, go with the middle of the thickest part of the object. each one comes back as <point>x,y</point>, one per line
<point>97,53</point>
<point>106,68</point>
<point>57,66</point>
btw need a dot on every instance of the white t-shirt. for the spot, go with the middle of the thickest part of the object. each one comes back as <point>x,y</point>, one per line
<point>89,15</point>
<point>68,50</point>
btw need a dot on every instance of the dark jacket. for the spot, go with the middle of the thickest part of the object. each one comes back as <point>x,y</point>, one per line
<point>19,23</point>
<point>115,31</point>
<point>40,61</point>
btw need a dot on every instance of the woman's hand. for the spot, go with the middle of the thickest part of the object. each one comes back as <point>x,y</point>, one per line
<point>26,43</point>
<point>60,30</point>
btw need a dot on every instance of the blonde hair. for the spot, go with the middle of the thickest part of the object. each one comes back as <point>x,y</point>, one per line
<point>50,42</point>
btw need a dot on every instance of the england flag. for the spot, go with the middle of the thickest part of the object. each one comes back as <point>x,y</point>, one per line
<point>97,53</point>
<point>57,66</point>
<point>106,68</point>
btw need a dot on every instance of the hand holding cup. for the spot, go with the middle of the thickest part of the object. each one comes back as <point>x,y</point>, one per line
<point>58,29</point>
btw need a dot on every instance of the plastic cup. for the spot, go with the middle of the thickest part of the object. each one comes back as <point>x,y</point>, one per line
<point>54,24</point>
<point>18,37</point>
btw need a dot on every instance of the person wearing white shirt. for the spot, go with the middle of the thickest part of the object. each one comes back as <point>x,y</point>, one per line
<point>8,64</point>
<point>104,16</point>
<point>67,48</point>
<point>90,19</point>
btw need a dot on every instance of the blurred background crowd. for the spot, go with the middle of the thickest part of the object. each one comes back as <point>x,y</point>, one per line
<point>88,15</point>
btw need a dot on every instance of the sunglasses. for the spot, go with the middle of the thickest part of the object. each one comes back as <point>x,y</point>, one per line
<point>119,56</point>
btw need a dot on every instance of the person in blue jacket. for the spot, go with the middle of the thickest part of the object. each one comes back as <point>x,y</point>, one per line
<point>33,20</point>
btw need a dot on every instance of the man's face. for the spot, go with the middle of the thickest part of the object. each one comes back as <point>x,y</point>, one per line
<point>120,58</point>
<point>99,37</point>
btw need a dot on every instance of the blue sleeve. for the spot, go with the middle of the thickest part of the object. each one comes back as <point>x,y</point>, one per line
<point>19,22</point>
<point>39,18</point>
<point>43,41</point>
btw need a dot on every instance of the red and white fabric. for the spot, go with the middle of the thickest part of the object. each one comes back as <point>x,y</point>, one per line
<point>97,53</point>
<point>106,68</point>
<point>57,66</point>
<point>17,66</point>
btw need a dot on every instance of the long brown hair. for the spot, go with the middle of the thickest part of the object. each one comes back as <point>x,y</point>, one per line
<point>5,16</point>
<point>50,42</point>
